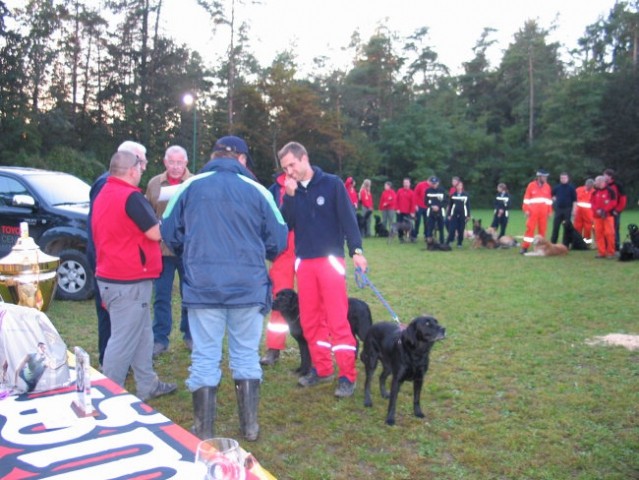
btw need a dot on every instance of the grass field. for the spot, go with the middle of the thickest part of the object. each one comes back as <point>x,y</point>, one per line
<point>514,392</point>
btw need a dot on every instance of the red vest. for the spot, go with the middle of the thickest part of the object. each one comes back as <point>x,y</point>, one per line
<point>123,251</point>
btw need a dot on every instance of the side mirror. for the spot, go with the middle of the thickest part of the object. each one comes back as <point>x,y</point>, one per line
<point>23,201</point>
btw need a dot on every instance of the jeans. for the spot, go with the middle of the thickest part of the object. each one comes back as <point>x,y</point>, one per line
<point>208,327</point>
<point>419,217</point>
<point>162,315</point>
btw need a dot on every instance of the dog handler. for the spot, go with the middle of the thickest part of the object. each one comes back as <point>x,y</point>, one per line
<point>537,207</point>
<point>223,243</point>
<point>317,207</point>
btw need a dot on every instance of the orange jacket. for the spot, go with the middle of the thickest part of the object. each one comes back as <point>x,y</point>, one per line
<point>583,197</point>
<point>538,198</point>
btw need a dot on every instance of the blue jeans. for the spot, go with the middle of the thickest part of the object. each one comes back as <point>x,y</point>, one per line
<point>208,327</point>
<point>419,216</point>
<point>162,316</point>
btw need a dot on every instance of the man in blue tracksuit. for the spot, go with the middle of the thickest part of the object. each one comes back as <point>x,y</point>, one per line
<point>316,206</point>
<point>224,224</point>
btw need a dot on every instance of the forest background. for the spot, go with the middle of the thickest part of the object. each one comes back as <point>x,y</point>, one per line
<point>76,80</point>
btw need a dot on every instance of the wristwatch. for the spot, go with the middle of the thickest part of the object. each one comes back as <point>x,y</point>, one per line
<point>358,251</point>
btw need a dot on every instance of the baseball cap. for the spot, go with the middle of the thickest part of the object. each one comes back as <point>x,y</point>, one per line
<point>433,179</point>
<point>234,144</point>
<point>542,173</point>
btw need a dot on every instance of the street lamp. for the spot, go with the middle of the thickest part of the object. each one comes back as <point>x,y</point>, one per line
<point>189,100</point>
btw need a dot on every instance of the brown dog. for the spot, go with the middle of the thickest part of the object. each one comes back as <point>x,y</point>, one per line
<point>543,248</point>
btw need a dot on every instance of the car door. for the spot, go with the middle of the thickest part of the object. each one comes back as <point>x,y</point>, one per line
<point>12,215</point>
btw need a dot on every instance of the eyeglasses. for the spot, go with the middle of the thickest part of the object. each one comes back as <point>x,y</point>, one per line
<point>140,163</point>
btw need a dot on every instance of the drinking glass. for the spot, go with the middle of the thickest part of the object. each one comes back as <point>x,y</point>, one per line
<point>220,459</point>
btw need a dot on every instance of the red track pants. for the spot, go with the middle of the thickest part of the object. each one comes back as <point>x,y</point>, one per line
<point>537,220</point>
<point>605,235</point>
<point>323,314</point>
<point>583,223</point>
<point>282,275</point>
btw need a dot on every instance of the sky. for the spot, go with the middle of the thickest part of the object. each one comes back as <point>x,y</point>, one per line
<point>322,28</point>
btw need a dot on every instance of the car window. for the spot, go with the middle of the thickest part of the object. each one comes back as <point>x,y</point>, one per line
<point>8,188</point>
<point>60,189</point>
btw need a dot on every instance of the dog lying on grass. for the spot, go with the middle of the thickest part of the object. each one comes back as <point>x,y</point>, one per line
<point>572,238</point>
<point>287,303</point>
<point>543,248</point>
<point>380,229</point>
<point>404,353</point>
<point>505,241</point>
<point>481,238</point>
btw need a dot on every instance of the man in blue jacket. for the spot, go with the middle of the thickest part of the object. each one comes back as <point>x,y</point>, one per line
<point>224,224</point>
<point>317,207</point>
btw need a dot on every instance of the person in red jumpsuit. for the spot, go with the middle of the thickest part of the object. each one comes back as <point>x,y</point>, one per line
<point>583,211</point>
<point>604,202</point>
<point>537,207</point>
<point>282,273</point>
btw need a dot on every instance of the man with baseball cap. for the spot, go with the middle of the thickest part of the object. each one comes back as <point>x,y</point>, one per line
<point>223,244</point>
<point>537,207</point>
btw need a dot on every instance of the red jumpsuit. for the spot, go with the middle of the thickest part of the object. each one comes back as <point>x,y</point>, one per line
<point>538,207</point>
<point>282,275</point>
<point>603,203</point>
<point>583,213</point>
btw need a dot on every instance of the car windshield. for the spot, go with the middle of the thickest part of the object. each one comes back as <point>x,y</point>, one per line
<point>61,188</point>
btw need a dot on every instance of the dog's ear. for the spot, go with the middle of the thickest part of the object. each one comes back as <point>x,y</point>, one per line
<point>409,336</point>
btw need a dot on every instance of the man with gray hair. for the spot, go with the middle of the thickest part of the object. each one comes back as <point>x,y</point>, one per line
<point>175,162</point>
<point>126,234</point>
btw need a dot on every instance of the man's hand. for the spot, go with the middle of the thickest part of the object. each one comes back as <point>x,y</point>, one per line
<point>290,186</point>
<point>360,261</point>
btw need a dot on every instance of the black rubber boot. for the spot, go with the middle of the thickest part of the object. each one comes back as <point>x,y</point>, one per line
<point>204,407</point>
<point>248,399</point>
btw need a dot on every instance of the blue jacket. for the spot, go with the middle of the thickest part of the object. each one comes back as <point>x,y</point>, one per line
<point>223,224</point>
<point>322,216</point>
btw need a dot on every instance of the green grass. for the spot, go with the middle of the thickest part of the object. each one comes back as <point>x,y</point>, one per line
<point>514,392</point>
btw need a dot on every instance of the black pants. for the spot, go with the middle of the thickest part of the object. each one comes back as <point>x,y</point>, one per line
<point>561,214</point>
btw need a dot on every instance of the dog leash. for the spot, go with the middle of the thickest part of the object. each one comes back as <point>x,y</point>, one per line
<point>362,281</point>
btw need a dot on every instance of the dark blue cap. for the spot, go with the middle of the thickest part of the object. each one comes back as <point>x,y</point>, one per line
<point>234,144</point>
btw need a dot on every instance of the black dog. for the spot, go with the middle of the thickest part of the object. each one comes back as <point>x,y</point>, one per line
<point>433,245</point>
<point>287,303</point>
<point>572,238</point>
<point>362,220</point>
<point>380,228</point>
<point>481,238</point>
<point>404,353</point>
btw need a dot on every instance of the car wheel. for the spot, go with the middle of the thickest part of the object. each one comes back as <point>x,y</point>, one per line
<point>75,278</point>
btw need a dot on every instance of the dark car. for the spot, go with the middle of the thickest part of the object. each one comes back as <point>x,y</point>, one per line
<point>55,206</point>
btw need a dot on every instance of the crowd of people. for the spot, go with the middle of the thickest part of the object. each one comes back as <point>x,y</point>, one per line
<point>138,242</point>
<point>304,225</point>
<point>593,209</point>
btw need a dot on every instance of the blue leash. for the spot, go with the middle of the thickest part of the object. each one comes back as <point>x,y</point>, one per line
<point>362,281</point>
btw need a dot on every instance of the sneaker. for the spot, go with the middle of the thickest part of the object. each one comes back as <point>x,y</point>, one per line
<point>160,389</point>
<point>312,378</point>
<point>345,388</point>
<point>270,357</point>
<point>523,250</point>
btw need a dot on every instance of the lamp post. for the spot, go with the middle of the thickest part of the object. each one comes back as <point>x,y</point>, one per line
<point>189,100</point>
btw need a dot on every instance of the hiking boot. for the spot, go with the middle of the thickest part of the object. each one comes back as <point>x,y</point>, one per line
<point>270,357</point>
<point>160,389</point>
<point>159,348</point>
<point>345,388</point>
<point>312,378</point>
